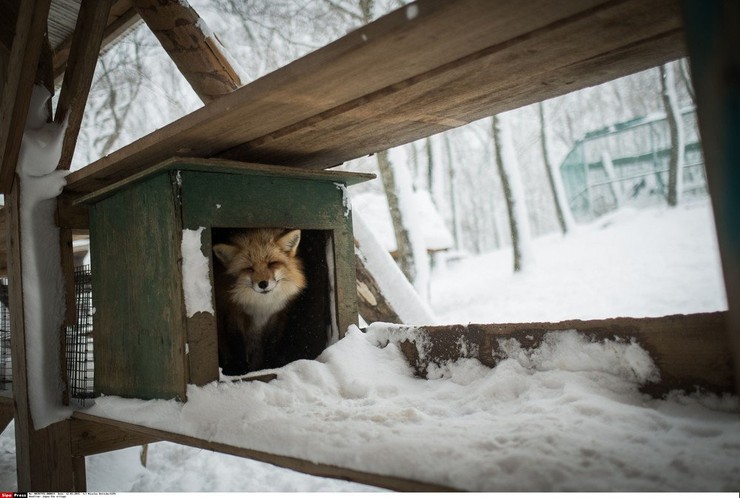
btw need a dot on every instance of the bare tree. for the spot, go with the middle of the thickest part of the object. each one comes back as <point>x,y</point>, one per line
<point>562,210</point>
<point>675,125</point>
<point>513,193</point>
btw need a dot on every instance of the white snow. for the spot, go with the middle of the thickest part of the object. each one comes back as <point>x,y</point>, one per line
<point>374,210</point>
<point>196,283</point>
<point>567,416</point>
<point>346,200</point>
<point>394,285</point>
<point>43,281</point>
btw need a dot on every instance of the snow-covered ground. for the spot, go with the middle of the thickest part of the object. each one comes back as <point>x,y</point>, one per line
<point>567,417</point>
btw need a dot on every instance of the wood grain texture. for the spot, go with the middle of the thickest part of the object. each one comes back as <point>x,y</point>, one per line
<point>297,464</point>
<point>7,412</point>
<point>121,18</point>
<point>86,42</point>
<point>371,303</point>
<point>90,438</point>
<point>22,70</point>
<point>139,329</point>
<point>400,79</point>
<point>197,54</point>
<point>690,351</point>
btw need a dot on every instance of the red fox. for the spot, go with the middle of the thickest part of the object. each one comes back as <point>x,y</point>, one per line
<point>261,276</point>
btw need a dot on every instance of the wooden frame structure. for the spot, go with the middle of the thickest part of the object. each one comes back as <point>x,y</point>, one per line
<point>426,68</point>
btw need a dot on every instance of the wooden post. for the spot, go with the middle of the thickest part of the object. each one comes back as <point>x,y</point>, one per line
<point>91,22</point>
<point>43,457</point>
<point>714,49</point>
<point>24,56</point>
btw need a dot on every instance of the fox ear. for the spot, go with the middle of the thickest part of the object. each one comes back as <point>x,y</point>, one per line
<point>225,252</point>
<point>288,242</point>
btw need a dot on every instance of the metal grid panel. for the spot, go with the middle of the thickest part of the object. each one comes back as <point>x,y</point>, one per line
<point>6,367</point>
<point>79,339</point>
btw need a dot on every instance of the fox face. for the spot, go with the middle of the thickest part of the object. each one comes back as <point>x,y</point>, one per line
<point>265,270</point>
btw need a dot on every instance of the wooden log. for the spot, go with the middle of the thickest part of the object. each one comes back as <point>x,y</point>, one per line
<point>304,466</point>
<point>91,22</point>
<point>22,69</point>
<point>372,304</point>
<point>399,79</point>
<point>690,351</point>
<point>197,53</point>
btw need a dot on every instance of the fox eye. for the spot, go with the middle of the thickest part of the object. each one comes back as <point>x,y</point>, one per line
<point>273,264</point>
<point>249,269</point>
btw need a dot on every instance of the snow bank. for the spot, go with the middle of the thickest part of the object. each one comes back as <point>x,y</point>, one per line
<point>566,417</point>
<point>43,280</point>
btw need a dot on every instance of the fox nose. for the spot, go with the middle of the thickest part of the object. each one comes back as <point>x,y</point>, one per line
<point>262,284</point>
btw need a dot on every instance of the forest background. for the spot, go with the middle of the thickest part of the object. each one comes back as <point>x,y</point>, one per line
<point>494,181</point>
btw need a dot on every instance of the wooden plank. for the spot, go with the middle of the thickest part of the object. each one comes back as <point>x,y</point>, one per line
<point>92,438</point>
<point>3,242</point>
<point>23,61</point>
<point>399,79</point>
<point>44,457</point>
<point>197,53</point>
<point>689,350</point>
<point>297,464</point>
<point>7,412</point>
<point>135,249</point>
<point>713,40</point>
<point>122,17</point>
<point>221,166</point>
<point>88,35</point>
<point>9,11</point>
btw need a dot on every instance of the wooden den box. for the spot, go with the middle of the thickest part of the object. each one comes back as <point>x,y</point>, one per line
<point>148,344</point>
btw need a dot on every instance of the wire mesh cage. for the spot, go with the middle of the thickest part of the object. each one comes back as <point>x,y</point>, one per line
<point>78,341</point>
<point>6,367</point>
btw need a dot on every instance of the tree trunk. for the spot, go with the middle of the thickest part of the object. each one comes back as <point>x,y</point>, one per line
<point>513,193</point>
<point>411,253</point>
<point>456,227</point>
<point>675,124</point>
<point>562,210</point>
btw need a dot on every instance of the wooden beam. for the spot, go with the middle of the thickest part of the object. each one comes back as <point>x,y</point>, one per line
<point>24,57</point>
<point>121,18</point>
<point>714,49</point>
<point>88,35</point>
<point>300,465</point>
<point>690,351</point>
<point>7,412</point>
<point>197,53</point>
<point>426,68</point>
<point>8,17</point>
<point>91,438</point>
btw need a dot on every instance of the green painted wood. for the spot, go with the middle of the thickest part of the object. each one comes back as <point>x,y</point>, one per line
<point>142,333</point>
<point>224,166</point>
<point>139,320</point>
<point>249,201</point>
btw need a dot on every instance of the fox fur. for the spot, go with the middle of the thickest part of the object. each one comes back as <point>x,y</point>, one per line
<point>261,275</point>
